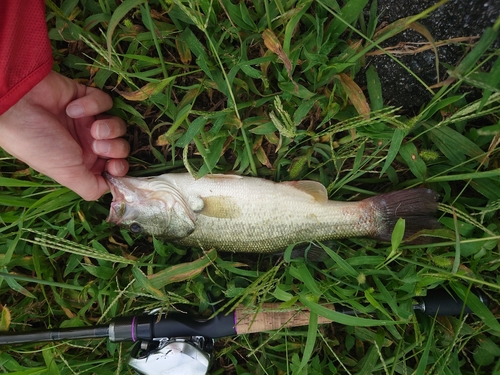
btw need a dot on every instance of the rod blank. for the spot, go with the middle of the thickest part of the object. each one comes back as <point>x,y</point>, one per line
<point>55,335</point>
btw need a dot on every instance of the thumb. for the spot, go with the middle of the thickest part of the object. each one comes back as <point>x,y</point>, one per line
<point>83,182</point>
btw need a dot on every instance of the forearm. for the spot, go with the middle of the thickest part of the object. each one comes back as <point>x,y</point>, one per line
<point>25,51</point>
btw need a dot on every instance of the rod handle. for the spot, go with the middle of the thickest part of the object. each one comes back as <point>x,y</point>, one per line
<point>271,317</point>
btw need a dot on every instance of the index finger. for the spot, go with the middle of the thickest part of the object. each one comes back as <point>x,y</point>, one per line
<point>91,102</point>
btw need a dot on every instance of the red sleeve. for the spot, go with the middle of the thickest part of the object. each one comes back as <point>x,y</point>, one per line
<point>25,51</point>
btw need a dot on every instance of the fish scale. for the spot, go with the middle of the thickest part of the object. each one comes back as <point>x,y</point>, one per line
<point>269,233</point>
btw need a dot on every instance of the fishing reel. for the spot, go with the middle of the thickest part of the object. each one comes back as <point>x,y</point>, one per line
<point>174,355</point>
<point>168,356</point>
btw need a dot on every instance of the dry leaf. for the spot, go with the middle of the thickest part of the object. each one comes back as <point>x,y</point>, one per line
<point>274,45</point>
<point>143,93</point>
<point>262,158</point>
<point>184,51</point>
<point>68,312</point>
<point>5,320</point>
<point>355,95</point>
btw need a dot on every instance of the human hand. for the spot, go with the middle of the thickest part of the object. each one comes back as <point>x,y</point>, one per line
<point>57,128</point>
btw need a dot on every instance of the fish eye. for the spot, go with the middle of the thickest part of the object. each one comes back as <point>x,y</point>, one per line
<point>135,228</point>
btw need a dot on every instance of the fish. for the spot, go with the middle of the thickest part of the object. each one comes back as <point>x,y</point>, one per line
<point>250,214</point>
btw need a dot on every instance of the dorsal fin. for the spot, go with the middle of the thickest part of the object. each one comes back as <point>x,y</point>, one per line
<point>313,188</point>
<point>224,176</point>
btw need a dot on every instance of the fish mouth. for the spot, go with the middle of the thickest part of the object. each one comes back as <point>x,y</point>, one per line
<point>113,184</point>
<point>117,209</point>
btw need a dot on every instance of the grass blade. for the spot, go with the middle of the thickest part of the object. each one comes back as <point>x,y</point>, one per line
<point>119,13</point>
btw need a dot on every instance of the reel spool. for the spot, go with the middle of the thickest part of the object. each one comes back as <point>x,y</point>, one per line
<point>172,356</point>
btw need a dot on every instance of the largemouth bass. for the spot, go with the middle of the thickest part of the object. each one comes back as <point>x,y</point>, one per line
<point>246,214</point>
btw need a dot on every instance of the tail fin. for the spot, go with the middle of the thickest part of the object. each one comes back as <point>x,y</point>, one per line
<point>417,206</point>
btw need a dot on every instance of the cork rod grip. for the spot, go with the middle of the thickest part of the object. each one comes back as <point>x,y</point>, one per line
<point>271,317</point>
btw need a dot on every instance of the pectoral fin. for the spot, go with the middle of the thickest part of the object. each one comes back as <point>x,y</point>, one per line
<point>313,188</point>
<point>221,207</point>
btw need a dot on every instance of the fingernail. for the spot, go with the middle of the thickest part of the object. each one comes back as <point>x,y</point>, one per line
<point>119,168</point>
<point>101,147</point>
<point>102,130</point>
<point>74,110</point>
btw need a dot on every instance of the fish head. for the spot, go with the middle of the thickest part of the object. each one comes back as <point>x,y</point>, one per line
<point>148,206</point>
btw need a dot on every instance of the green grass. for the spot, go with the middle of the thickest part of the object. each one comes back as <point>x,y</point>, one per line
<point>261,88</point>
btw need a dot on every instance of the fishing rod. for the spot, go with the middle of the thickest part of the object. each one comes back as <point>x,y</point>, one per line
<point>179,342</point>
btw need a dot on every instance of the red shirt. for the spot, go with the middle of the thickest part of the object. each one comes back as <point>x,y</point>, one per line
<point>25,51</point>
